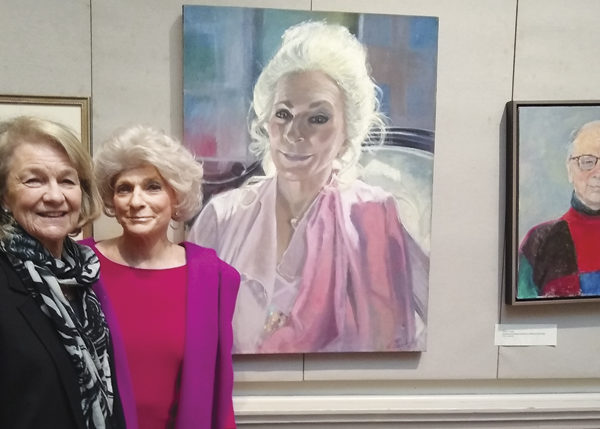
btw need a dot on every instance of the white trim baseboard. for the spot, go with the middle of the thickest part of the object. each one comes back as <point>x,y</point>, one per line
<point>560,410</point>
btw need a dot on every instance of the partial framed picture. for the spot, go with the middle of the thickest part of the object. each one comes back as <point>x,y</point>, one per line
<point>70,111</point>
<point>553,202</point>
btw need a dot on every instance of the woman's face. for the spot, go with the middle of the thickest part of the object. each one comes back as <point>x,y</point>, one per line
<point>43,193</point>
<point>143,201</point>
<point>306,127</point>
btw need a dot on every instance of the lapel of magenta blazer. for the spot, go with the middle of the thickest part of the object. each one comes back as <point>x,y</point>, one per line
<point>207,380</point>
<point>201,340</point>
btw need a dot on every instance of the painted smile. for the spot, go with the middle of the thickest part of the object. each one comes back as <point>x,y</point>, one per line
<point>295,157</point>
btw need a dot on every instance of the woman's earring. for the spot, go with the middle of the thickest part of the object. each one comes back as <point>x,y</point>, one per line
<point>175,221</point>
<point>6,214</point>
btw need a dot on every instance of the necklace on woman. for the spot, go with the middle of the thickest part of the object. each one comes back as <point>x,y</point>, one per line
<point>294,222</point>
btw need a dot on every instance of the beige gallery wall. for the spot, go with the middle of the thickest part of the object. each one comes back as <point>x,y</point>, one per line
<point>126,56</point>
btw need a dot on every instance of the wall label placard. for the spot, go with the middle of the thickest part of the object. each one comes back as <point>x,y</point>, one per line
<point>525,335</point>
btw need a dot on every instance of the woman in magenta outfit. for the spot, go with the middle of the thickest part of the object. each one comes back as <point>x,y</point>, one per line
<point>169,306</point>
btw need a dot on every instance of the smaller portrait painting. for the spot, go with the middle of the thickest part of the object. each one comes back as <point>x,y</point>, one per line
<point>553,202</point>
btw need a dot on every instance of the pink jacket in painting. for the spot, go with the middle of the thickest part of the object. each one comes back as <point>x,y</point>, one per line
<point>355,280</point>
<point>205,397</point>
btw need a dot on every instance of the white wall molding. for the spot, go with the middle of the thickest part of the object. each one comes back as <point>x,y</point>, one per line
<point>573,410</point>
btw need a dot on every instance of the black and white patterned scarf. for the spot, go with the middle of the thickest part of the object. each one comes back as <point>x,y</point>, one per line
<point>86,339</point>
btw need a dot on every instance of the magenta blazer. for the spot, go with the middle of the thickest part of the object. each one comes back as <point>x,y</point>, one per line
<point>205,397</point>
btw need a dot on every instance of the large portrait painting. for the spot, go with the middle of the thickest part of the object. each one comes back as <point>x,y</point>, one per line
<point>316,132</point>
<point>553,202</point>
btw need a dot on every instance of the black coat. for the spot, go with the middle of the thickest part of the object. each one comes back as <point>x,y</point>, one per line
<point>38,384</point>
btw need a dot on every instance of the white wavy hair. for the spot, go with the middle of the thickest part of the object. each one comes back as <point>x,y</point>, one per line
<point>333,50</point>
<point>140,145</point>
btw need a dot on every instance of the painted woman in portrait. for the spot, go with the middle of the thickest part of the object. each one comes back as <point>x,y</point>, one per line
<point>325,261</point>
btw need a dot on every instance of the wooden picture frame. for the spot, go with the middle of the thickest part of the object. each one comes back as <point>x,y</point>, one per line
<point>74,112</point>
<point>548,252</point>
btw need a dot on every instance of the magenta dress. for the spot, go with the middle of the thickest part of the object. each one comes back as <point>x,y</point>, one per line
<point>150,306</point>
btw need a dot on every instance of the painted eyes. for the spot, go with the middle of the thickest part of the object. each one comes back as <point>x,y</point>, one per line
<point>283,114</point>
<point>317,119</point>
<point>585,162</point>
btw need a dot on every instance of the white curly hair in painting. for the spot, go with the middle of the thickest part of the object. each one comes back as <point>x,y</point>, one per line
<point>332,49</point>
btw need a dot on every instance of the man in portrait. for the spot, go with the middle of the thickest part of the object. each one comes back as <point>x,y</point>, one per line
<point>561,257</point>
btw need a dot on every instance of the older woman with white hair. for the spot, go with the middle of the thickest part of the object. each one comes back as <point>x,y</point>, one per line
<point>326,264</point>
<point>168,305</point>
